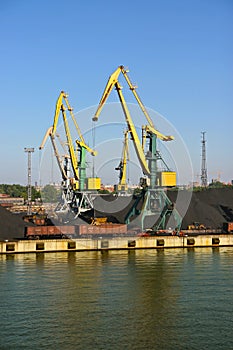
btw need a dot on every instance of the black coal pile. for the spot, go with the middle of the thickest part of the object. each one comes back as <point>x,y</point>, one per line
<point>210,207</point>
<point>116,208</point>
<point>11,225</point>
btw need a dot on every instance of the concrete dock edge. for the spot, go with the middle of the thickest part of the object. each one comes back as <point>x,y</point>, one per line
<point>118,243</point>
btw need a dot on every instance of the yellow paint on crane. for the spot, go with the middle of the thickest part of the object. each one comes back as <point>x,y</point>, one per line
<point>167,178</point>
<point>93,183</point>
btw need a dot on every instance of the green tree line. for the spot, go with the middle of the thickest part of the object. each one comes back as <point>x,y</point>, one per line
<point>17,190</point>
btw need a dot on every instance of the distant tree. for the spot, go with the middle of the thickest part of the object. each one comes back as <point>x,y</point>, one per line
<point>14,190</point>
<point>198,188</point>
<point>104,192</point>
<point>50,194</point>
<point>216,184</point>
<point>17,190</point>
<point>35,194</point>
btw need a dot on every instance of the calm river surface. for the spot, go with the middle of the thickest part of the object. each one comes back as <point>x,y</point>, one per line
<point>145,299</point>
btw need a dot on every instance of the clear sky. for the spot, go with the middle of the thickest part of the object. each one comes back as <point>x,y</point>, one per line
<point>179,52</point>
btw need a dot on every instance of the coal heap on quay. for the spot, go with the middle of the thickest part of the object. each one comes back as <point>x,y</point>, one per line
<point>210,207</point>
<point>12,225</point>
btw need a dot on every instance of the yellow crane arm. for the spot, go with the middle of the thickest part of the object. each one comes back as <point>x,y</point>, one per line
<point>90,150</point>
<point>57,111</point>
<point>133,89</point>
<point>70,144</point>
<point>109,86</point>
<point>150,127</point>
<point>48,133</point>
<point>59,160</point>
<point>133,132</point>
<point>162,137</point>
<point>113,81</point>
<point>61,105</point>
<point>70,109</point>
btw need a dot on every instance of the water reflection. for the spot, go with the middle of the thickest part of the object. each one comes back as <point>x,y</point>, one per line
<point>144,299</point>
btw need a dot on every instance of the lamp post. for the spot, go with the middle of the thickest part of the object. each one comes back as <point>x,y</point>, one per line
<point>29,152</point>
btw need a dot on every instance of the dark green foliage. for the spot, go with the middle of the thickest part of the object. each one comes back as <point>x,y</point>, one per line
<point>17,190</point>
<point>50,194</point>
<point>218,184</point>
<point>214,184</point>
<point>104,192</point>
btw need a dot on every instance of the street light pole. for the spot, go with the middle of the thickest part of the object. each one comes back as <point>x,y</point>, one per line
<point>29,152</point>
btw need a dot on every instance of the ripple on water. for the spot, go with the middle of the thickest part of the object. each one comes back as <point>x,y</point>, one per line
<point>145,299</point>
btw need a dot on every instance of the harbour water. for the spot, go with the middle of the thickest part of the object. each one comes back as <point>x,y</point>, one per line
<point>131,300</point>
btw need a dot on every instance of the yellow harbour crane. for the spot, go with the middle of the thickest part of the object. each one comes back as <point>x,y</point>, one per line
<point>149,131</point>
<point>74,187</point>
<point>155,198</point>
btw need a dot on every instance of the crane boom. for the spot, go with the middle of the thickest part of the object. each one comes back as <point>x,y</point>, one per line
<point>61,107</point>
<point>57,112</point>
<point>59,160</point>
<point>70,109</point>
<point>133,89</point>
<point>113,79</point>
<point>152,130</point>
<point>133,132</point>
<point>113,82</point>
<point>47,134</point>
<point>73,157</point>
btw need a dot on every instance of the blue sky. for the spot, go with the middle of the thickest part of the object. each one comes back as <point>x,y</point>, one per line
<point>180,54</point>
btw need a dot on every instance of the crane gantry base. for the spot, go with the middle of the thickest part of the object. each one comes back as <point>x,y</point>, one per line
<point>157,211</point>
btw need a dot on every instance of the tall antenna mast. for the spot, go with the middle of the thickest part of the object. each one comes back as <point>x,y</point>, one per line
<point>203,161</point>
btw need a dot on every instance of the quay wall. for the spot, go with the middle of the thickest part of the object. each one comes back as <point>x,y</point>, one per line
<point>118,243</point>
